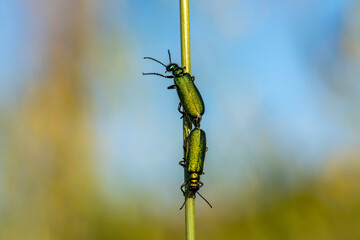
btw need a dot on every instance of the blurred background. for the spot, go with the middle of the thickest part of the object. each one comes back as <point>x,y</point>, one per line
<point>89,148</point>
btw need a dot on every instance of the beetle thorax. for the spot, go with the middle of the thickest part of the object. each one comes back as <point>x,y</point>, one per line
<point>178,72</point>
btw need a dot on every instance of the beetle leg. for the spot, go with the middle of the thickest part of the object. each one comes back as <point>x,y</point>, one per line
<point>193,78</point>
<point>179,107</point>
<point>182,186</point>
<point>171,87</point>
<point>201,184</point>
<point>182,163</point>
<point>158,75</point>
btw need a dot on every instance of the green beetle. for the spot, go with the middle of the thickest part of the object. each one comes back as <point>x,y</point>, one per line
<point>189,95</point>
<point>194,162</point>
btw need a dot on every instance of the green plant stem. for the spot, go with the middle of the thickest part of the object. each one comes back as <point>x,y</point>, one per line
<point>187,126</point>
<point>185,35</point>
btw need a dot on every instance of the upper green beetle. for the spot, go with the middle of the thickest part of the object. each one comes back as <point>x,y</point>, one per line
<point>189,95</point>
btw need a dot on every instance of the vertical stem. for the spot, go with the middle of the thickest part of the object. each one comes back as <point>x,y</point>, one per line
<point>185,35</point>
<point>190,202</point>
<point>187,126</point>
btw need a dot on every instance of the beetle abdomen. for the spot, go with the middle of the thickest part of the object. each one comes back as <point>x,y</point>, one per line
<point>195,151</point>
<point>190,98</point>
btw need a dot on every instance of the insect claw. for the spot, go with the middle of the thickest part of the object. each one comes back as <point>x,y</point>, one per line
<point>182,163</point>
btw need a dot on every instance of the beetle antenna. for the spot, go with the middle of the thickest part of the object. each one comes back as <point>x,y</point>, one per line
<point>169,55</point>
<point>204,199</point>
<point>155,60</point>
<point>185,201</point>
<point>158,75</point>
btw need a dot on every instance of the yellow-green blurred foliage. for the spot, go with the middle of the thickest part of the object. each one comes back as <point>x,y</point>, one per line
<point>50,189</point>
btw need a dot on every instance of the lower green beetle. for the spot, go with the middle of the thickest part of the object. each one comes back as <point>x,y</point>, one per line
<point>194,162</point>
<point>189,95</point>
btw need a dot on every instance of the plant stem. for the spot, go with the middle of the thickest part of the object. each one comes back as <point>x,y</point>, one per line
<point>187,126</point>
<point>185,35</point>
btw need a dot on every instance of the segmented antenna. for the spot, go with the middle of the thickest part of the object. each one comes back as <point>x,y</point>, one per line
<point>158,75</point>
<point>155,60</point>
<point>169,55</point>
<point>204,199</point>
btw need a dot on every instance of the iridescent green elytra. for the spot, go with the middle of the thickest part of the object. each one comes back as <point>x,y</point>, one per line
<point>195,152</point>
<point>189,95</point>
<point>194,161</point>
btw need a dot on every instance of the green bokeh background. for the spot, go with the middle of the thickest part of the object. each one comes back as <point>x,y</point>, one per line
<point>89,148</point>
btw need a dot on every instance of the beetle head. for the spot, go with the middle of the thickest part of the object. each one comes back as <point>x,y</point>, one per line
<point>175,69</point>
<point>171,67</point>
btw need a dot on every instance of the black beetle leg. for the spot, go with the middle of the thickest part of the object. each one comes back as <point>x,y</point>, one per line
<point>201,184</point>
<point>182,186</point>
<point>171,87</point>
<point>182,163</point>
<point>193,78</point>
<point>179,107</point>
